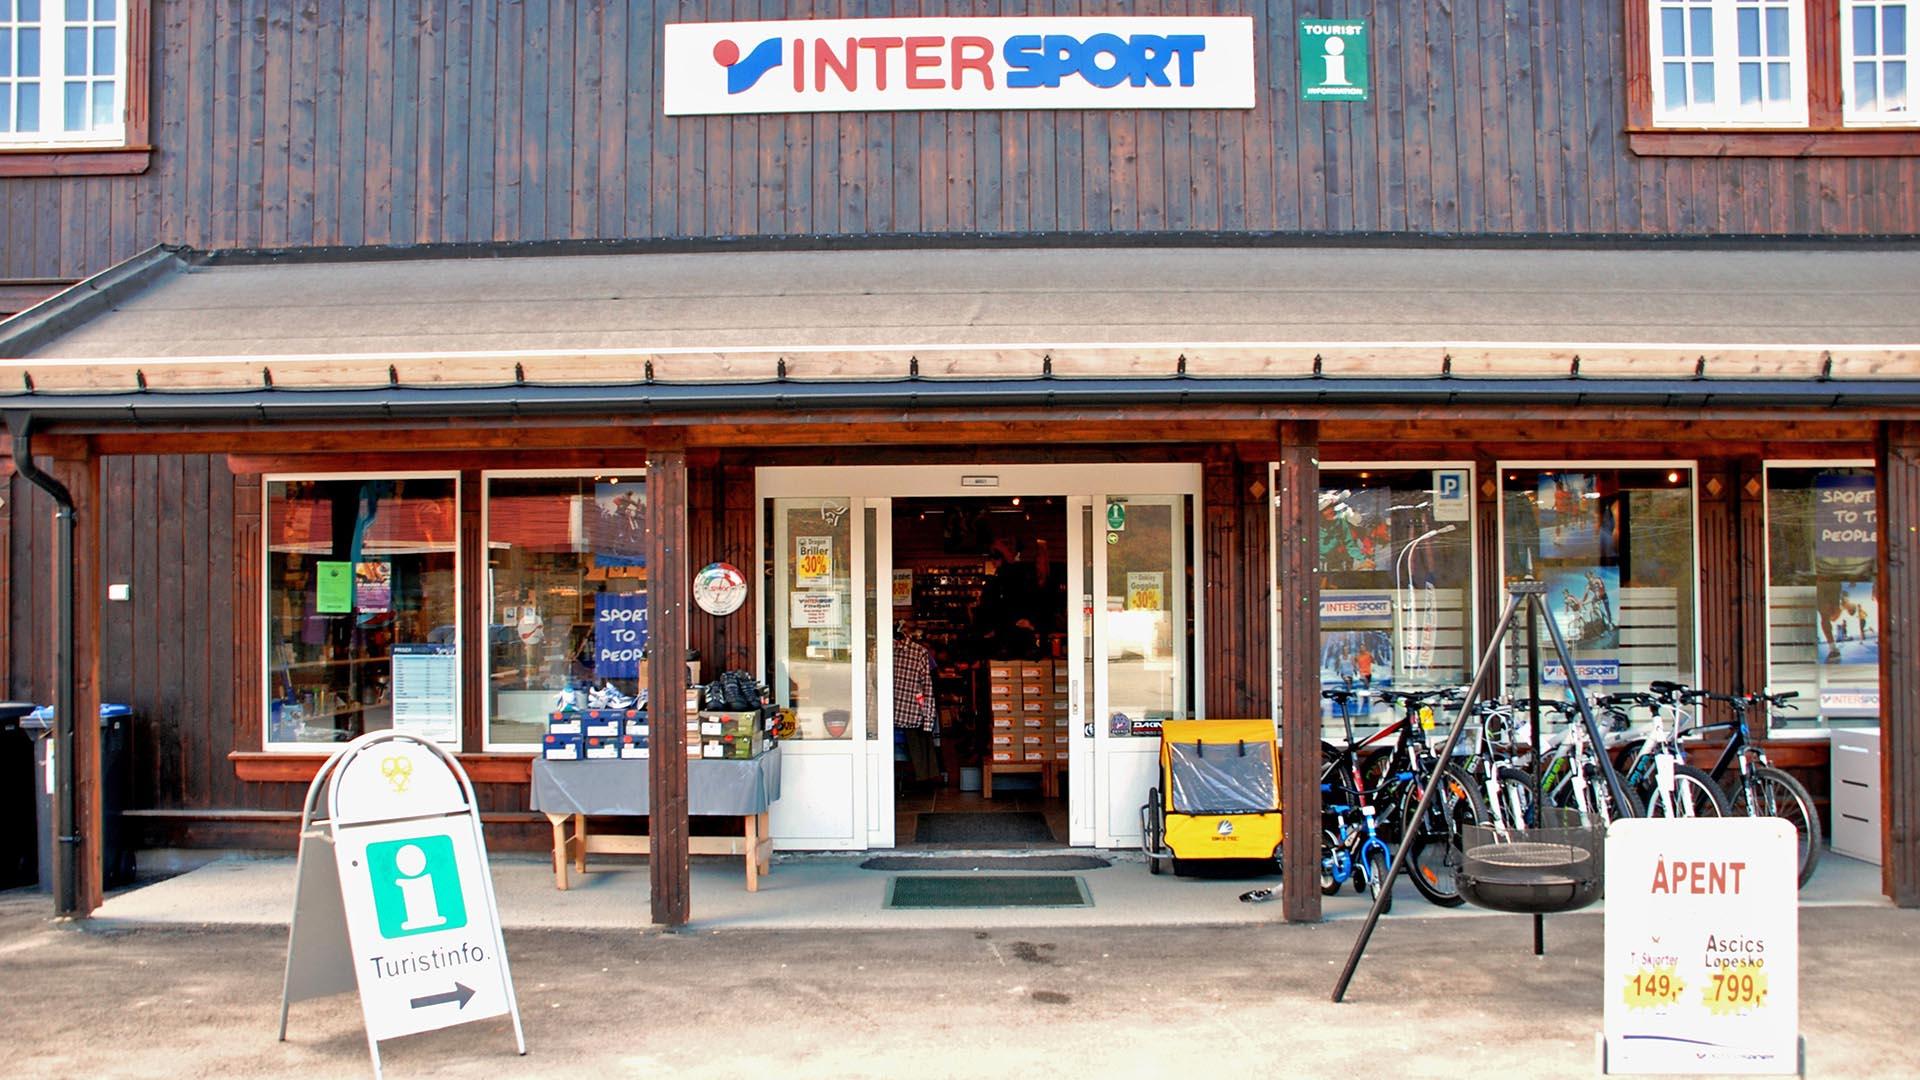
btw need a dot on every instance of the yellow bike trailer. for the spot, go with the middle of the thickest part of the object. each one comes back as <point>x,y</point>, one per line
<point>1218,796</point>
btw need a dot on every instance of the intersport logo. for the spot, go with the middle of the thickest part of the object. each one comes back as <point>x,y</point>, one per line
<point>840,65</point>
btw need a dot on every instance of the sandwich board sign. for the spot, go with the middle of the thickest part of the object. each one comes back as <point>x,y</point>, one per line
<point>1702,947</point>
<point>393,896</point>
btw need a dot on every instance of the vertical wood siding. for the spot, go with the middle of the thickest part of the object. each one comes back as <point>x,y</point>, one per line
<point>411,121</point>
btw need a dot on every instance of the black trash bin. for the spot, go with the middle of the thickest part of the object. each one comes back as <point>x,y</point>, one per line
<point>116,743</point>
<point>19,852</point>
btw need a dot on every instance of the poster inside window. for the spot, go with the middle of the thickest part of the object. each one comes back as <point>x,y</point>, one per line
<point>362,608</point>
<point>1396,568</point>
<point>566,599</point>
<point>1823,595</point>
<point>1614,548</point>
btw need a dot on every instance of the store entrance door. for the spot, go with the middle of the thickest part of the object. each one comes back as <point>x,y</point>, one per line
<point>1131,632</point>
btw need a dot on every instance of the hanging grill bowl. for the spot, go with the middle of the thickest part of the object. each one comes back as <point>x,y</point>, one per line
<point>1532,871</point>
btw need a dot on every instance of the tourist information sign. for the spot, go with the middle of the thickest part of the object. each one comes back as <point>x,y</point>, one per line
<point>393,897</point>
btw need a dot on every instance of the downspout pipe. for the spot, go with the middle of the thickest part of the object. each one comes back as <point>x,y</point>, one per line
<point>66,865</point>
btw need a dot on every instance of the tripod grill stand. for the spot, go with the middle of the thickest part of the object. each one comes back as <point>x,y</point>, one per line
<point>1533,595</point>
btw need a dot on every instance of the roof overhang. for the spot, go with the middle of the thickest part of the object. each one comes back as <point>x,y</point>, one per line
<point>183,336</point>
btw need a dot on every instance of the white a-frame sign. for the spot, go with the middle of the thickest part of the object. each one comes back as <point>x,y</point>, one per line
<point>394,898</point>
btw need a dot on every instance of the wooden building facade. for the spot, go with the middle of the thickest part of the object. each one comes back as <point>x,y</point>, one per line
<point>260,137</point>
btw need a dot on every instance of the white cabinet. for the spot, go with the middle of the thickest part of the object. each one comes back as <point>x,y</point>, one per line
<point>1856,793</point>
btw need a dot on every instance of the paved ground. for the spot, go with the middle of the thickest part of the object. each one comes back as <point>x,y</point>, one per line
<point>1436,997</point>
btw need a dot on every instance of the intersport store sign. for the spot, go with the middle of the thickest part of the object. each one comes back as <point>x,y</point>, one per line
<point>860,65</point>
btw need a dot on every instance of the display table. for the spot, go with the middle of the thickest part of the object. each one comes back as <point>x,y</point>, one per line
<point>577,789</point>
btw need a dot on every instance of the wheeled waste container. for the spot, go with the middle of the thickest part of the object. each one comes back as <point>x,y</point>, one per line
<point>18,819</point>
<point>116,743</point>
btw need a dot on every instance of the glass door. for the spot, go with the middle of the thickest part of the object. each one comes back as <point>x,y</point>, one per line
<point>1081,816</point>
<point>1143,645</point>
<point>817,624</point>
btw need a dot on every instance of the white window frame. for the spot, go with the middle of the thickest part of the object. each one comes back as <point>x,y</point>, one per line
<point>53,78</point>
<point>1822,730</point>
<point>1853,116</point>
<point>1726,112</point>
<point>1273,556</point>
<point>266,600</point>
<point>486,567</point>
<point>1691,468</point>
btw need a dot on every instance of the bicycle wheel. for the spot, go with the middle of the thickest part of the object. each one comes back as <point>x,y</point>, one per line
<point>1694,795</point>
<point>1438,839</point>
<point>1772,793</point>
<point>1598,794</point>
<point>1377,864</point>
<point>1515,809</point>
<point>1156,828</point>
<point>1329,855</point>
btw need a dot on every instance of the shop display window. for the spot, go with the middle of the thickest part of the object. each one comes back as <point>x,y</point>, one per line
<point>361,608</point>
<point>566,598</point>
<point>1396,582</point>
<point>1615,548</point>
<point>1823,595</point>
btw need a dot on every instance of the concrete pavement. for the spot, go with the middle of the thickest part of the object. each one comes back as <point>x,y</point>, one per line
<point>1458,996</point>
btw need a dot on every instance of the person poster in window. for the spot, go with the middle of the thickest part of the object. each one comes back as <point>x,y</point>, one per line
<point>1582,603</point>
<point>1569,516</point>
<point>1355,531</point>
<point>619,527</point>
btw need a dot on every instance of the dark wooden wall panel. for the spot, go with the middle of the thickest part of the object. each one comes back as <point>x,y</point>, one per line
<point>409,121</point>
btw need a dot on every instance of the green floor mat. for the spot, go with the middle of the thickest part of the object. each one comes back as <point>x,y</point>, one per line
<point>988,891</point>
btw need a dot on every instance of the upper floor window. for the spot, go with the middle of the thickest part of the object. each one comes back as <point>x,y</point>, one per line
<point>1730,62</point>
<point>63,73</point>
<point>1876,39</point>
<point>1770,78</point>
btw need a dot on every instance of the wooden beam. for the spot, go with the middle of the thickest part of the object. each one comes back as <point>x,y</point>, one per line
<point>1297,525</point>
<point>667,574</point>
<point>1897,473</point>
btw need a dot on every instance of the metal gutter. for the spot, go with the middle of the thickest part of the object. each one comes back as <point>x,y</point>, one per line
<point>66,866</point>
<point>513,400</point>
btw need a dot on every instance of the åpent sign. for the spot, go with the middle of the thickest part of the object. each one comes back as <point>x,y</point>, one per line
<point>1042,62</point>
<point>1702,946</point>
<point>394,897</point>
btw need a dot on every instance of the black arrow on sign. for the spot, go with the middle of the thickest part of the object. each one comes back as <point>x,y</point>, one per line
<point>461,993</point>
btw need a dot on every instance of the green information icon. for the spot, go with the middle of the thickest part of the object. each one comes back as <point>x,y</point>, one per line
<point>1117,516</point>
<point>416,886</point>
<point>1333,59</point>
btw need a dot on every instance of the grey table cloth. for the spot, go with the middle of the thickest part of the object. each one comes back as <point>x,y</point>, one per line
<point>714,787</point>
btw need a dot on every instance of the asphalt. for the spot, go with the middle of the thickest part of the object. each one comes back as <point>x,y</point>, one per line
<point>1434,997</point>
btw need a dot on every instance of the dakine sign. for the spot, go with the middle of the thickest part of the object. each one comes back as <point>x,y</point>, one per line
<point>855,65</point>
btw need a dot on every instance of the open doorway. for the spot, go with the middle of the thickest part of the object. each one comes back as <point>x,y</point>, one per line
<point>980,675</point>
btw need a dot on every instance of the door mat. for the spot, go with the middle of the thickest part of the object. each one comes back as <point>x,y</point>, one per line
<point>988,891</point>
<point>1014,827</point>
<point>986,862</point>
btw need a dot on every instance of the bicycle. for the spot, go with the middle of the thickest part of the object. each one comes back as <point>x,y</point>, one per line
<point>1761,789</point>
<point>1572,775</point>
<point>1349,850</point>
<point>1656,769</point>
<point>1438,838</point>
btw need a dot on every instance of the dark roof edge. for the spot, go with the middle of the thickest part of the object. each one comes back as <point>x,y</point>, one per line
<point>643,399</point>
<point>1047,240</point>
<point>71,307</point>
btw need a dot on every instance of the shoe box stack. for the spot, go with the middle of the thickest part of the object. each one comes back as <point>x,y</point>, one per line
<point>1027,700</point>
<point>595,733</point>
<point>736,723</point>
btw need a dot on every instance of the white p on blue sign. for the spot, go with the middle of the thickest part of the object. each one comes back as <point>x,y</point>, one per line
<point>1451,497</point>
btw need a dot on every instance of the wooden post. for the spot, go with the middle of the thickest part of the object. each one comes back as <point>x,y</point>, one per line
<point>81,476</point>
<point>667,574</point>
<point>1897,472</point>
<point>1719,579</point>
<point>1296,528</point>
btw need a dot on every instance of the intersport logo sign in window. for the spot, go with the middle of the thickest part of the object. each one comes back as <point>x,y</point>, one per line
<point>859,65</point>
